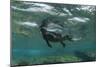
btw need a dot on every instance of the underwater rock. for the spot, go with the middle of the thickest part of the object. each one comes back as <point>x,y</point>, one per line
<point>85,56</point>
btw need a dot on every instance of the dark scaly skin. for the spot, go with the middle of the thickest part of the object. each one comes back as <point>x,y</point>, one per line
<point>52,36</point>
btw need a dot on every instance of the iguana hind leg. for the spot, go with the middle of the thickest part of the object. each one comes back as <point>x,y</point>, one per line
<point>63,44</point>
<point>49,45</point>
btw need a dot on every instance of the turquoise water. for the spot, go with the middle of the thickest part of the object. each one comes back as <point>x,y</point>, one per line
<point>27,40</point>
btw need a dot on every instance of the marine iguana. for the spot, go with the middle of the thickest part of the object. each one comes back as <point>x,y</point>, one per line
<point>52,36</point>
